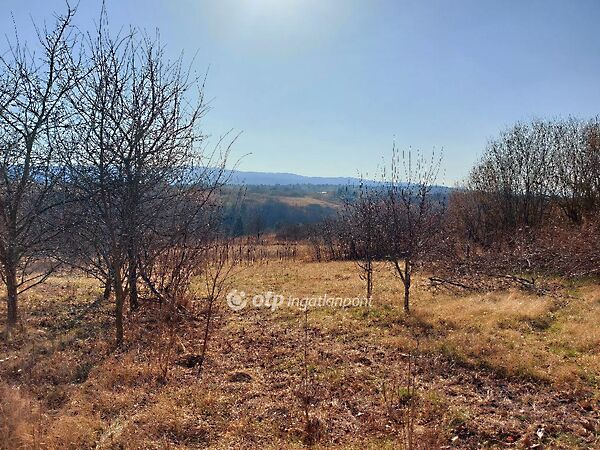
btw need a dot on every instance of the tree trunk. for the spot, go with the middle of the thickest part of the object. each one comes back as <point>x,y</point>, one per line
<point>132,234</point>
<point>107,289</point>
<point>369,279</point>
<point>119,301</point>
<point>406,286</point>
<point>206,333</point>
<point>11,297</point>
<point>132,279</point>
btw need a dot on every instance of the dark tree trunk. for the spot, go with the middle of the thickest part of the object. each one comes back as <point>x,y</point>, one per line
<point>406,280</point>
<point>132,278</point>
<point>107,288</point>
<point>206,334</point>
<point>369,279</point>
<point>119,301</point>
<point>11,297</point>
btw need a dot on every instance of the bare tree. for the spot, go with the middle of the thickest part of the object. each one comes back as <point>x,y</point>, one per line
<point>218,270</point>
<point>139,147</point>
<point>362,218</point>
<point>412,215</point>
<point>33,87</point>
<point>514,200</point>
<point>514,177</point>
<point>577,163</point>
<point>256,225</point>
<point>187,244</point>
<point>528,171</point>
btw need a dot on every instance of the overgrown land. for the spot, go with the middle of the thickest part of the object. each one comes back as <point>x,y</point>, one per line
<point>146,297</point>
<point>507,368</point>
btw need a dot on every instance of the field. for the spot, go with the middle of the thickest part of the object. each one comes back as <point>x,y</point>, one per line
<point>504,369</point>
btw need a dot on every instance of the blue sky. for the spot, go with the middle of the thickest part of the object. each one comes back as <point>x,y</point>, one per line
<point>324,87</point>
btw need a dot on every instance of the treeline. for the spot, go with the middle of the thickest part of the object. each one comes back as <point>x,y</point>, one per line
<point>280,209</point>
<point>330,192</point>
<point>101,166</point>
<point>273,216</point>
<point>533,174</point>
<point>530,205</point>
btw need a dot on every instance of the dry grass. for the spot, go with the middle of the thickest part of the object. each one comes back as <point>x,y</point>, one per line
<point>493,370</point>
<point>295,201</point>
<point>19,419</point>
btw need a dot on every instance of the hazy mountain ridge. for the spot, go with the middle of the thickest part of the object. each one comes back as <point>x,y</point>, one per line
<point>284,178</point>
<point>249,178</point>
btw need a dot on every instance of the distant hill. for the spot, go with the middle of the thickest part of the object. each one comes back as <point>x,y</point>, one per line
<point>292,180</point>
<point>274,179</point>
<point>288,207</point>
<point>288,202</point>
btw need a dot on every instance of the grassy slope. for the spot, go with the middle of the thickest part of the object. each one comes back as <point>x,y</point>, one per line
<point>493,369</point>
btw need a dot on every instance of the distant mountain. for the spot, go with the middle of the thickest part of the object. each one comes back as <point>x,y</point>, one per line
<point>276,202</point>
<point>238,177</point>
<point>273,179</point>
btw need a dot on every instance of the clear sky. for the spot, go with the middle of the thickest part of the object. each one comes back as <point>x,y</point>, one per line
<point>324,87</point>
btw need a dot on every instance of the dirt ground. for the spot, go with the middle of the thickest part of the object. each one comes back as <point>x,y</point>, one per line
<point>503,369</point>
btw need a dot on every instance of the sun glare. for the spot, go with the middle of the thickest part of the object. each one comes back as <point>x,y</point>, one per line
<point>272,8</point>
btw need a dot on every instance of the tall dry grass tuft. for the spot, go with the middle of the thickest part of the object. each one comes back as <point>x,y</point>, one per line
<point>401,404</point>
<point>313,427</point>
<point>19,420</point>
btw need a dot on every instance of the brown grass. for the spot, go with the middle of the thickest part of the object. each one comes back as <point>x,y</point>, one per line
<point>19,419</point>
<point>493,370</point>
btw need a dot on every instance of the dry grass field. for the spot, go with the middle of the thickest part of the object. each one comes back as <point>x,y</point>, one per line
<point>505,369</point>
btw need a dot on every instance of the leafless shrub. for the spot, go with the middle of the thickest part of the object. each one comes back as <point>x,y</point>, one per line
<point>140,173</point>
<point>33,87</point>
<point>509,218</point>
<point>577,167</point>
<point>362,220</point>
<point>218,269</point>
<point>412,215</point>
<point>525,173</point>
